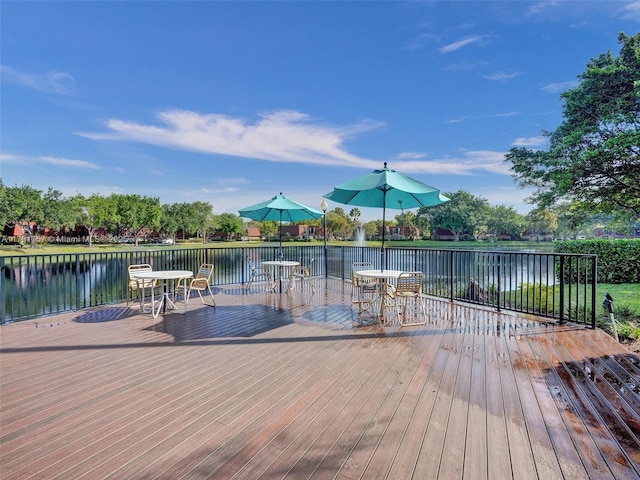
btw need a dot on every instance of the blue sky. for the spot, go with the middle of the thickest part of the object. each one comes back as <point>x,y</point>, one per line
<point>233,102</point>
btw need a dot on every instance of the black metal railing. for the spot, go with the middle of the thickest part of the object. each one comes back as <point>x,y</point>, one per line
<point>553,285</point>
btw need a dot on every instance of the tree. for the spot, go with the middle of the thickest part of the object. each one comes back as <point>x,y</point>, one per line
<point>93,212</point>
<point>268,228</point>
<point>371,229</point>
<point>170,221</point>
<point>503,219</point>
<point>4,204</point>
<point>136,213</point>
<point>542,222</point>
<point>594,155</point>
<point>338,223</point>
<point>32,210</point>
<point>463,212</point>
<point>354,213</point>
<point>572,219</point>
<point>229,224</point>
<point>204,219</point>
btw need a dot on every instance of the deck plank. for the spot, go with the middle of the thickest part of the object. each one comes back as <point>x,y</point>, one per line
<point>475,452</point>
<point>431,454</point>
<point>299,386</point>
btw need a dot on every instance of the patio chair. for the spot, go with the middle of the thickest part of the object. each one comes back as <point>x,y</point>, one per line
<point>136,285</point>
<point>200,283</point>
<point>303,274</point>
<point>258,273</point>
<point>405,295</point>
<point>364,290</point>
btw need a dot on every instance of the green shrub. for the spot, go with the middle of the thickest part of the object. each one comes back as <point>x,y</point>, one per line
<point>628,331</point>
<point>618,260</point>
<point>537,298</point>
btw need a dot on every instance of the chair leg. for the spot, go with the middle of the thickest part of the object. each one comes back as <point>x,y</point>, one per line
<point>202,298</point>
<point>212,297</point>
<point>418,310</point>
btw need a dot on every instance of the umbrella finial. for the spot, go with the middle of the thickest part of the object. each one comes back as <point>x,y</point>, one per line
<point>385,164</point>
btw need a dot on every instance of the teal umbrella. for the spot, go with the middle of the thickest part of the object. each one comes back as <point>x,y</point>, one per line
<point>279,209</point>
<point>386,188</point>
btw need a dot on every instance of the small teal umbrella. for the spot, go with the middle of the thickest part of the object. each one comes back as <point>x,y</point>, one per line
<point>280,208</point>
<point>384,189</point>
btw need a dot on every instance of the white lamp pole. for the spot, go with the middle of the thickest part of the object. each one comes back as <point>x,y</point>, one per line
<point>324,206</point>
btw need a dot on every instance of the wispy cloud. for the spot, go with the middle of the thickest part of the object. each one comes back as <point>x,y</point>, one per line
<point>531,142</point>
<point>56,161</point>
<point>420,41</point>
<point>539,7</point>
<point>470,162</point>
<point>502,76</point>
<point>631,11</point>
<point>452,47</point>
<point>226,185</point>
<point>560,86</point>
<point>279,136</point>
<point>216,191</point>
<point>465,66</point>
<point>410,155</point>
<point>282,136</point>
<point>61,83</point>
<point>479,117</point>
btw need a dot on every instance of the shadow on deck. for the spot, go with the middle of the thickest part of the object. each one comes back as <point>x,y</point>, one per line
<point>301,386</point>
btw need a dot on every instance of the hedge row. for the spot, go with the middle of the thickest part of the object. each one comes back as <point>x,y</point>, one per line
<point>618,260</point>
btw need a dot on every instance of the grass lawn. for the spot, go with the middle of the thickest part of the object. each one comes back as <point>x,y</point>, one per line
<point>624,294</point>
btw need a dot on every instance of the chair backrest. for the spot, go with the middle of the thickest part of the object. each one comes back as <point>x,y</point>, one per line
<point>203,277</point>
<point>409,283</point>
<point>205,271</point>
<point>355,266</point>
<point>142,267</point>
<point>252,265</point>
<point>358,281</point>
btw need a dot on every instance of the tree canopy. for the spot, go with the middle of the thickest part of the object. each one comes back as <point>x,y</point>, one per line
<point>593,157</point>
<point>463,212</point>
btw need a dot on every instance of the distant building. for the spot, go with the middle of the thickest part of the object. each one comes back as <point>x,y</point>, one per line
<point>253,233</point>
<point>302,232</point>
<point>397,232</point>
<point>448,235</point>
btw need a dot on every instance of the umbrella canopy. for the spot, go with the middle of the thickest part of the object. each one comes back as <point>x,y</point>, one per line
<point>280,208</point>
<point>386,188</point>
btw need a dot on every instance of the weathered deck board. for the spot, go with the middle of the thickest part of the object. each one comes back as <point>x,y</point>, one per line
<point>300,386</point>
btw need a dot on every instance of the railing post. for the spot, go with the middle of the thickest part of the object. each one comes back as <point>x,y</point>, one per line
<point>3,293</point>
<point>594,285</point>
<point>561,289</point>
<point>451,275</point>
<point>498,287</point>
<point>78,283</point>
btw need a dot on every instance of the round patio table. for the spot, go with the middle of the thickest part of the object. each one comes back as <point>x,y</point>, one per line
<point>384,276</point>
<point>281,265</point>
<point>165,276</point>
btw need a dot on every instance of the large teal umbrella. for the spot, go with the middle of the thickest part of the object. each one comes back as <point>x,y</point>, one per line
<point>279,209</point>
<point>386,188</point>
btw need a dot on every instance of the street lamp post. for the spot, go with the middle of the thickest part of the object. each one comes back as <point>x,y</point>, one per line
<point>324,206</point>
<point>402,220</point>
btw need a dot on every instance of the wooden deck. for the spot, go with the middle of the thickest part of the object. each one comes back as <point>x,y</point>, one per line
<point>269,386</point>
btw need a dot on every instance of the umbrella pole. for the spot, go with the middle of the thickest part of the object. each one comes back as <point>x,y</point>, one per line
<point>280,255</point>
<point>384,208</point>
